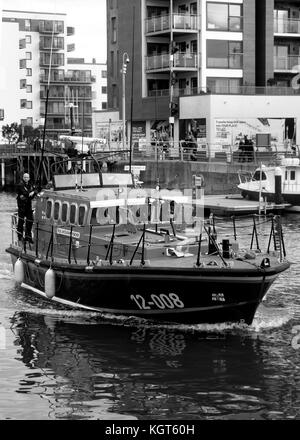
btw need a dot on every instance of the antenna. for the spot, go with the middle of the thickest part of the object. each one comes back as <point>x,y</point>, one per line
<point>132,78</point>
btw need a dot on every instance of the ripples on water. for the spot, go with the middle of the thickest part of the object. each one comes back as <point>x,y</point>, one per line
<point>59,364</point>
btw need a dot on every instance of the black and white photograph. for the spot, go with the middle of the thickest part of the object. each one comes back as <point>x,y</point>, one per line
<point>150,213</point>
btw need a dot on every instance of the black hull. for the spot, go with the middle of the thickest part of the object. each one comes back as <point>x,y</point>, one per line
<point>190,296</point>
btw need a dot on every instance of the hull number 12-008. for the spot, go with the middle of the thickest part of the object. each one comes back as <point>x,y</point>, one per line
<point>162,301</point>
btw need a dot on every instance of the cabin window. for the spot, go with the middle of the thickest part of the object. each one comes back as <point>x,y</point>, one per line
<point>64,212</point>
<point>293,175</point>
<point>257,176</point>
<point>73,212</point>
<point>56,210</point>
<point>49,209</point>
<point>81,215</point>
<point>94,217</point>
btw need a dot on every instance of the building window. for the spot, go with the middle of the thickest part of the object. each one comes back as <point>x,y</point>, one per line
<point>194,85</point>
<point>224,17</point>
<point>193,8</point>
<point>113,30</point>
<point>223,54</point>
<point>28,72</point>
<point>22,83</point>
<point>22,64</point>
<point>104,74</point>
<point>22,43</point>
<point>28,88</point>
<point>224,85</point>
<point>1,114</point>
<point>114,96</point>
<point>29,121</point>
<point>23,103</point>
<point>29,104</point>
<point>28,56</point>
<point>112,63</point>
<point>27,25</point>
<point>104,105</point>
<point>103,90</point>
<point>194,46</point>
<point>28,39</point>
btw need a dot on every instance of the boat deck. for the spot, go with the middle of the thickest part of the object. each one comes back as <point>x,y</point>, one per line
<point>173,257</point>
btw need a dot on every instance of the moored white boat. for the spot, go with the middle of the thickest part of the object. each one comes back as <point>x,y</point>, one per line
<point>262,183</point>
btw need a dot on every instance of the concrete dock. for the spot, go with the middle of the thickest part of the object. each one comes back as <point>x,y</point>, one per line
<point>237,205</point>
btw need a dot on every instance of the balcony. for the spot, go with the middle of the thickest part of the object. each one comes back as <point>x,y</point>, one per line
<point>50,28</point>
<point>43,95</point>
<point>286,64</point>
<point>182,61</point>
<point>180,22</point>
<point>70,31</point>
<point>287,26</point>
<point>55,46</point>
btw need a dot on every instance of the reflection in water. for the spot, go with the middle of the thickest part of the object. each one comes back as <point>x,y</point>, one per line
<point>105,371</point>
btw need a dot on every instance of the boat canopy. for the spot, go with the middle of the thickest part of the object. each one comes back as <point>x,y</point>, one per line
<point>93,180</point>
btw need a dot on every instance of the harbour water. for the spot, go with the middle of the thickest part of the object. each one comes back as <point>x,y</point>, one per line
<point>68,365</point>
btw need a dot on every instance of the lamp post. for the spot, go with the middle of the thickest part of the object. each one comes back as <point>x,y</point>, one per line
<point>125,61</point>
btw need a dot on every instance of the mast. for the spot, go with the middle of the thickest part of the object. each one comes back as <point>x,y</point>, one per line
<point>39,174</point>
<point>132,78</point>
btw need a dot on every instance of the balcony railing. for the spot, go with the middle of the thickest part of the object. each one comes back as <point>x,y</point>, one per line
<point>286,26</point>
<point>227,90</point>
<point>55,46</point>
<point>183,60</point>
<point>234,61</point>
<point>162,23</point>
<point>185,22</point>
<point>65,78</point>
<point>51,28</point>
<point>53,62</point>
<point>286,63</point>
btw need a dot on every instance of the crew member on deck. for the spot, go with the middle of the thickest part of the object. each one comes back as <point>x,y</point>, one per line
<point>26,193</point>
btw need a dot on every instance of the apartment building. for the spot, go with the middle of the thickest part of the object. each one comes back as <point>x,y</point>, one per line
<point>99,80</point>
<point>34,54</point>
<point>221,69</point>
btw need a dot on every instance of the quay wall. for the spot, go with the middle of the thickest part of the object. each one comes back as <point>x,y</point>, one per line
<point>219,178</point>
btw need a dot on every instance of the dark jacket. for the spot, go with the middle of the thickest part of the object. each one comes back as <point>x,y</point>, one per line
<point>23,191</point>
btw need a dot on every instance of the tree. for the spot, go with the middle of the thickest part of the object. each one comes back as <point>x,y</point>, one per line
<point>30,134</point>
<point>11,132</point>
